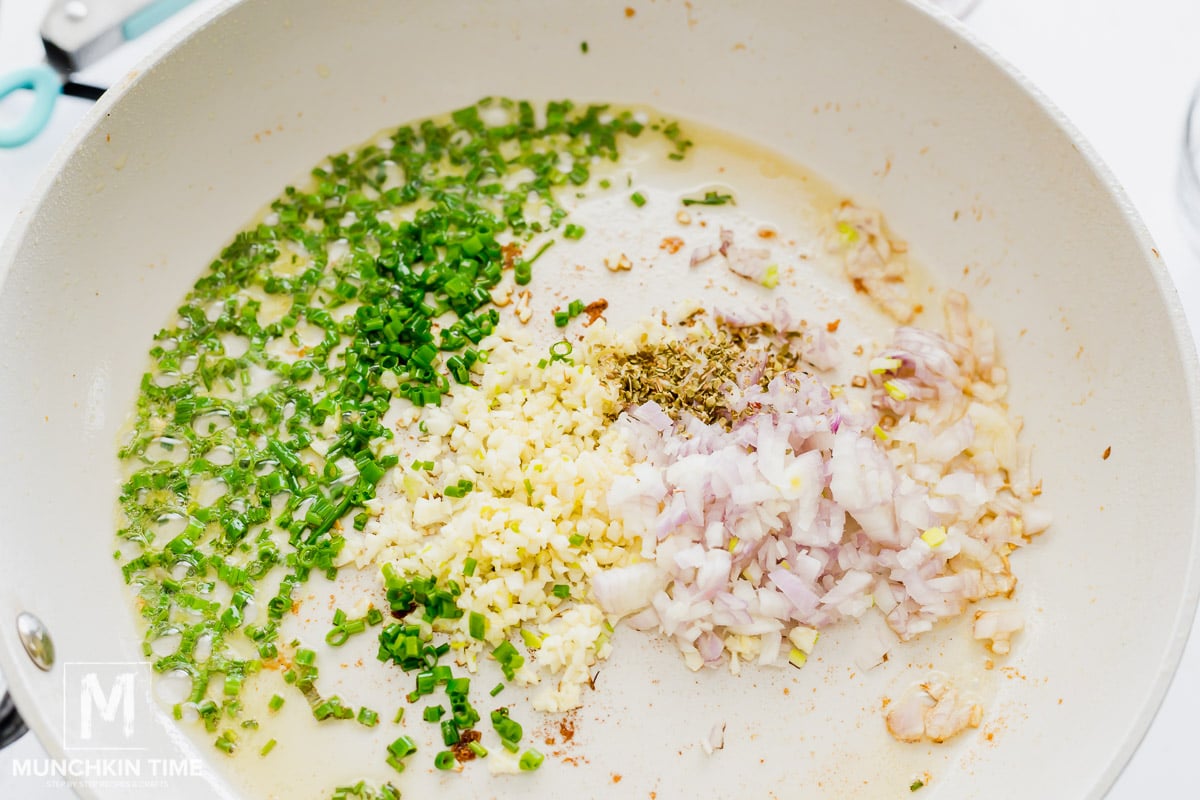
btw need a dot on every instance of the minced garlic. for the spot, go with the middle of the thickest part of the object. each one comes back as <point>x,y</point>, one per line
<point>535,445</point>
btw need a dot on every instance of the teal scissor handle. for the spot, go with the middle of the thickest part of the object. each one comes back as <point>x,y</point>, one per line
<point>45,84</point>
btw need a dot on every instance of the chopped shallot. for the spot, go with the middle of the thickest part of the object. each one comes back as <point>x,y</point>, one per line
<point>997,627</point>
<point>803,510</point>
<point>715,739</point>
<point>936,710</point>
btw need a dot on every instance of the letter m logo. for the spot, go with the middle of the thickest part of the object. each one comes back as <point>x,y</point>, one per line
<point>92,698</point>
<point>100,703</point>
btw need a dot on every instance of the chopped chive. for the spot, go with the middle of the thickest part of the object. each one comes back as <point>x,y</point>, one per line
<point>267,748</point>
<point>522,273</point>
<point>402,747</point>
<point>561,590</point>
<point>450,734</point>
<point>497,689</point>
<point>464,715</point>
<point>507,729</point>
<point>477,625</point>
<point>275,703</point>
<point>444,760</point>
<point>709,199</point>
<point>505,652</point>
<point>530,760</point>
<point>469,566</point>
<point>368,717</point>
<point>638,199</point>
<point>226,742</point>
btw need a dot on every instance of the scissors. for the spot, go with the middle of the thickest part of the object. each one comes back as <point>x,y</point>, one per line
<point>77,33</point>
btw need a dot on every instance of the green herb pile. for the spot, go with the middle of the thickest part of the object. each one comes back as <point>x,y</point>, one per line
<point>257,430</point>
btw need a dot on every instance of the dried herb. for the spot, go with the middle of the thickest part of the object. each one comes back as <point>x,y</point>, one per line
<point>703,370</point>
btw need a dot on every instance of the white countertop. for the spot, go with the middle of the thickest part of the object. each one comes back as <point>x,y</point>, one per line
<point>1123,72</point>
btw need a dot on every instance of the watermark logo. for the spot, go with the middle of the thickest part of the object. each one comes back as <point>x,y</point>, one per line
<point>107,740</point>
<point>100,709</point>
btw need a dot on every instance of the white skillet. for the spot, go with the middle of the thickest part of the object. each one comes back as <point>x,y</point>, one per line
<point>890,105</point>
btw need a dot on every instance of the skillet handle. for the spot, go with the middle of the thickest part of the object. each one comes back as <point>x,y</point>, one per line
<point>45,85</point>
<point>12,727</point>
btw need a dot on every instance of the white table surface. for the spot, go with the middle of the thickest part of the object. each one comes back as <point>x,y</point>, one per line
<point>1122,71</point>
